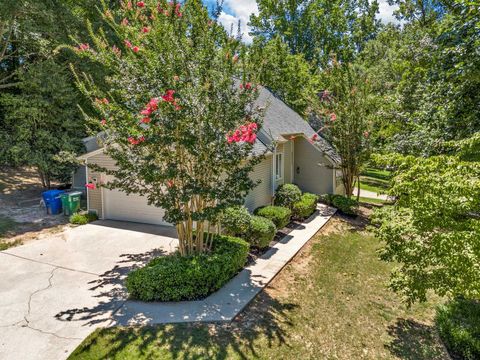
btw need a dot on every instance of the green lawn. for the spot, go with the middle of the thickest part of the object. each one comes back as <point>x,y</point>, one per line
<point>375,180</point>
<point>6,225</point>
<point>330,302</point>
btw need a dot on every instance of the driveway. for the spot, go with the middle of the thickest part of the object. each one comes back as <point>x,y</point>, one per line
<point>54,292</point>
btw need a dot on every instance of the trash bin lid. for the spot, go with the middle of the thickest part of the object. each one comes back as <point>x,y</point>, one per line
<point>75,193</point>
<point>52,193</point>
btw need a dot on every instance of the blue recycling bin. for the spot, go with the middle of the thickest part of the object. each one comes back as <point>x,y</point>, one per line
<point>53,202</point>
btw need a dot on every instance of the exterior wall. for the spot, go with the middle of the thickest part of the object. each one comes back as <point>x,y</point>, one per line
<point>313,172</point>
<point>95,201</point>
<point>262,194</point>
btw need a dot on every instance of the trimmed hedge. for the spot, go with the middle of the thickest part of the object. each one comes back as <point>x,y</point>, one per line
<point>261,232</point>
<point>287,195</point>
<point>278,214</point>
<point>235,221</point>
<point>305,207</point>
<point>346,205</point>
<point>83,219</point>
<point>176,278</point>
<point>458,324</point>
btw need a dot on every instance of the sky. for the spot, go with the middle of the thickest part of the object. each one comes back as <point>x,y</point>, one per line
<point>235,10</point>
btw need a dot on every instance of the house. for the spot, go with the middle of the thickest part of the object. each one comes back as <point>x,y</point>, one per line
<point>312,165</point>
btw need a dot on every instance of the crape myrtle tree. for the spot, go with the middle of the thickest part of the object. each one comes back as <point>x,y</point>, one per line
<point>180,115</point>
<point>344,110</point>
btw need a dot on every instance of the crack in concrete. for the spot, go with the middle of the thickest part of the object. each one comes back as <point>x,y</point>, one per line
<point>46,263</point>
<point>29,309</point>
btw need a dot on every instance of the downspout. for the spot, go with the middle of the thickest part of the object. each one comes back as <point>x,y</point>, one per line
<point>86,182</point>
<point>274,167</point>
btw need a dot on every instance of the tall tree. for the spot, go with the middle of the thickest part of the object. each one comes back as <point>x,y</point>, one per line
<point>318,28</point>
<point>433,230</point>
<point>41,121</point>
<point>179,114</point>
<point>289,76</point>
<point>344,109</point>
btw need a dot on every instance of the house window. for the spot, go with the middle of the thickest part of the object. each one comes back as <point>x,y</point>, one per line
<point>279,166</point>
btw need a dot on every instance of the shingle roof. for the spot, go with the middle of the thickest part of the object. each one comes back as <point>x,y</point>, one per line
<point>280,120</point>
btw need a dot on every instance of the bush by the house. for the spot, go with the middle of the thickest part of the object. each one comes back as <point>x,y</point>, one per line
<point>261,232</point>
<point>287,195</point>
<point>235,221</point>
<point>83,218</point>
<point>458,324</point>
<point>305,207</point>
<point>175,277</point>
<point>345,205</point>
<point>326,199</point>
<point>278,214</point>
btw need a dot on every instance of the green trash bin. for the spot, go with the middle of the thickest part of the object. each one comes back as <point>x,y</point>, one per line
<point>71,202</point>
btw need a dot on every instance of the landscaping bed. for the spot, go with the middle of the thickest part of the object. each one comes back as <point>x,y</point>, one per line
<point>330,301</point>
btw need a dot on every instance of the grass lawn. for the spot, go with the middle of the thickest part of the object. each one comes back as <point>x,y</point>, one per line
<point>330,302</point>
<point>371,200</point>
<point>375,180</point>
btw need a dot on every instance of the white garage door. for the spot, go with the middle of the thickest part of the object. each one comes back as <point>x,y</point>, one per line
<point>120,206</point>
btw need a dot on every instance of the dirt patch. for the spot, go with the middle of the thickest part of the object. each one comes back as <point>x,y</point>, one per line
<point>22,209</point>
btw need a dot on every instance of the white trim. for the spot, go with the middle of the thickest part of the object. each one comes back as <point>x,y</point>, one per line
<point>282,166</point>
<point>292,170</point>
<point>102,194</point>
<point>274,163</point>
<point>86,182</point>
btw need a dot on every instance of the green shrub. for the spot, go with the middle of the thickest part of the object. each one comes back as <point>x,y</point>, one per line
<point>82,219</point>
<point>345,205</point>
<point>235,221</point>
<point>176,278</point>
<point>458,324</point>
<point>326,199</point>
<point>305,207</point>
<point>286,195</point>
<point>278,214</point>
<point>261,232</point>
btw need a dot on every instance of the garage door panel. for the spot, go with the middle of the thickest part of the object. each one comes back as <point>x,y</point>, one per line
<point>133,207</point>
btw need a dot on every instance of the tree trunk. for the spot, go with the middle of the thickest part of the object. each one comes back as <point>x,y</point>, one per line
<point>358,187</point>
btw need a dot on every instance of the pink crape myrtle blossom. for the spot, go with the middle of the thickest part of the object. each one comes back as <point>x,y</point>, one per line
<point>245,133</point>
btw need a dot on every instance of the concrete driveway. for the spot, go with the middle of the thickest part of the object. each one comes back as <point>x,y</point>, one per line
<point>54,292</point>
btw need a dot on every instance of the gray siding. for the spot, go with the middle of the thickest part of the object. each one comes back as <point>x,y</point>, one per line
<point>313,172</point>
<point>95,196</point>
<point>288,164</point>
<point>262,194</point>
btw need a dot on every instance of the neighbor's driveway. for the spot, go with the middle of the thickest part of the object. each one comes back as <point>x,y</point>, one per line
<point>55,291</point>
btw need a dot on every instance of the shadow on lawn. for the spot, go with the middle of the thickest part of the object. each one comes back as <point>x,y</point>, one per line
<point>415,341</point>
<point>267,318</point>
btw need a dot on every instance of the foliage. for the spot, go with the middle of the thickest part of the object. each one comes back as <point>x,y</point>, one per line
<point>287,194</point>
<point>235,221</point>
<point>83,219</point>
<point>278,214</point>
<point>261,231</point>
<point>180,114</point>
<point>344,110</point>
<point>458,324</point>
<point>346,205</point>
<point>432,231</point>
<point>176,277</point>
<point>317,28</point>
<point>334,280</point>
<point>305,207</point>
<point>6,225</point>
<point>287,75</point>
<point>42,121</point>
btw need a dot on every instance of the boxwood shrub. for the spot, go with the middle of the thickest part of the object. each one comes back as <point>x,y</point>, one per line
<point>235,221</point>
<point>261,232</point>
<point>458,324</point>
<point>345,205</point>
<point>278,214</point>
<point>176,278</point>
<point>287,195</point>
<point>305,207</point>
<point>82,219</point>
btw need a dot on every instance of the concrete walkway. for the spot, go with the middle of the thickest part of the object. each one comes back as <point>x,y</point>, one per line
<point>56,291</point>
<point>370,194</point>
